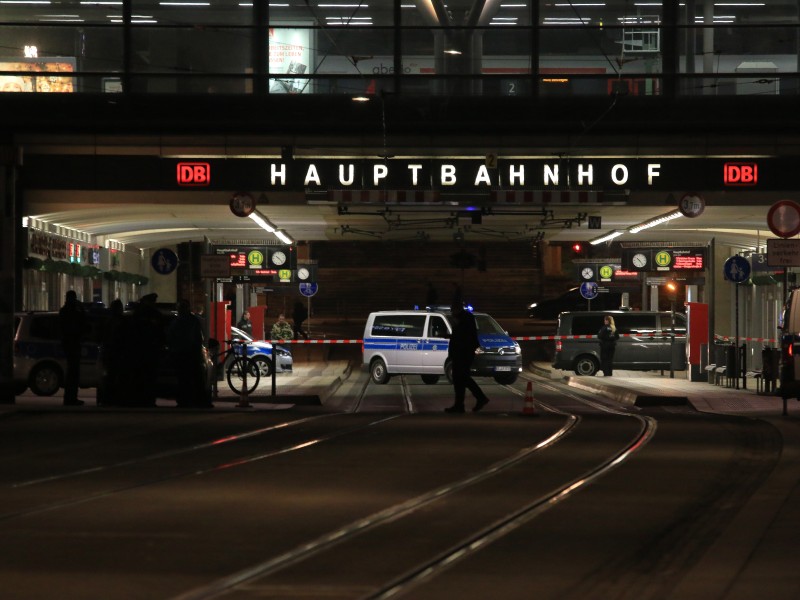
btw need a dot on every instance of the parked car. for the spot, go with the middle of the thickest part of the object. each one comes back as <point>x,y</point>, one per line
<point>261,351</point>
<point>416,342</point>
<point>39,362</point>
<point>646,341</point>
<point>573,301</point>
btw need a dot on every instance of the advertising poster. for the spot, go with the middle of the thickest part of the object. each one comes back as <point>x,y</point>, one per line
<point>38,75</point>
<point>289,54</point>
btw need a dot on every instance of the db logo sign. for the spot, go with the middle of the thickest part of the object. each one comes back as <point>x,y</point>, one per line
<point>741,173</point>
<point>194,173</point>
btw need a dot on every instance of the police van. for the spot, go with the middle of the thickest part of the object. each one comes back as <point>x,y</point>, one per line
<point>416,342</point>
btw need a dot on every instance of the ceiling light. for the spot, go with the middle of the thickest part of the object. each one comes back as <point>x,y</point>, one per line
<point>262,221</point>
<point>657,221</point>
<point>606,238</point>
<point>283,237</point>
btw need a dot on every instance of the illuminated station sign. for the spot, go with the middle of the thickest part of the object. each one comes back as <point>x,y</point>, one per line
<point>656,258</point>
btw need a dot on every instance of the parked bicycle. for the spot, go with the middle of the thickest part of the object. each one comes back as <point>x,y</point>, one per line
<point>239,368</point>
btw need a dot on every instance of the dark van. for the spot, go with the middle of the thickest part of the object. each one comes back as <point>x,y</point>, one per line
<point>573,301</point>
<point>645,342</point>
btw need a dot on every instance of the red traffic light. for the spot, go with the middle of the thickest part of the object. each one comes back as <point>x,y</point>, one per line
<point>577,248</point>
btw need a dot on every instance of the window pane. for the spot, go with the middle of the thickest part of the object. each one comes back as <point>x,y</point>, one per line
<point>193,12</point>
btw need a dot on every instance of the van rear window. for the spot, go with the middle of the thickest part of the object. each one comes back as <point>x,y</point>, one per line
<point>399,325</point>
<point>586,324</point>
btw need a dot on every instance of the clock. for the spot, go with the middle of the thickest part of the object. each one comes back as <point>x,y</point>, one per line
<point>639,260</point>
<point>278,258</point>
<point>303,274</point>
<point>587,273</point>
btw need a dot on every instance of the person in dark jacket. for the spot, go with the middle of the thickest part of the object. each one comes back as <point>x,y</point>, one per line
<point>73,322</point>
<point>461,353</point>
<point>608,336</point>
<point>299,315</point>
<point>185,344</point>
<point>245,324</point>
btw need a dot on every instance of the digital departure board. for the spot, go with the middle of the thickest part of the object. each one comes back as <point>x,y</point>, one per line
<point>655,258</point>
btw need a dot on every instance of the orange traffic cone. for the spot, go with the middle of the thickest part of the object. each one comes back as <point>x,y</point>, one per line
<point>529,408</point>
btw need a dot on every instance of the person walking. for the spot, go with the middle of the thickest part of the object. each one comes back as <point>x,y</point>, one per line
<point>461,353</point>
<point>245,324</point>
<point>185,343</point>
<point>281,330</point>
<point>299,315</point>
<point>73,322</point>
<point>608,336</point>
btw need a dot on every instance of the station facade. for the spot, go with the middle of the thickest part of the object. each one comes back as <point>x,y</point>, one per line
<point>485,105</point>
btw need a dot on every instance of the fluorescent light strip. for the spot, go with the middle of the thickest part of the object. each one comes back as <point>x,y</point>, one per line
<point>184,3</point>
<point>606,238</point>
<point>571,4</point>
<point>101,3</point>
<point>653,222</point>
<point>262,222</point>
<point>343,5</point>
<point>283,237</point>
<point>27,2</point>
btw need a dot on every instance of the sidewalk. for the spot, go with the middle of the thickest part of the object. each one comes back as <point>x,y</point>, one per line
<point>650,388</point>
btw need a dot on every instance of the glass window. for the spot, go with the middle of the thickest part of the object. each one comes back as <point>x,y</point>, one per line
<point>738,48</point>
<point>399,325</point>
<point>437,328</point>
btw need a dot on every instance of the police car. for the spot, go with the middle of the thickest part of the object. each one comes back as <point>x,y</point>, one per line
<point>261,352</point>
<point>416,342</point>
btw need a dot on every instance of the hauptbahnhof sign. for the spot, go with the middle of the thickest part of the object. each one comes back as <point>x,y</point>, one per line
<point>423,174</point>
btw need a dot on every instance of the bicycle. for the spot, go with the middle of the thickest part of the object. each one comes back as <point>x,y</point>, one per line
<point>238,367</point>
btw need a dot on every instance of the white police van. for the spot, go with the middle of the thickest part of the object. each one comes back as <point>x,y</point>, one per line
<point>416,342</point>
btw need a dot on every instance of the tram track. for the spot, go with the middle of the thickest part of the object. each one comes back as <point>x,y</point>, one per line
<point>232,462</point>
<point>254,576</point>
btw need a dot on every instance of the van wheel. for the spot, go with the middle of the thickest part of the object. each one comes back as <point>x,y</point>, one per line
<point>430,379</point>
<point>506,378</point>
<point>45,380</point>
<point>378,371</point>
<point>586,365</point>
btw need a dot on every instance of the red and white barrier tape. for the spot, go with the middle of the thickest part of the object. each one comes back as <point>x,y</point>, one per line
<point>538,338</point>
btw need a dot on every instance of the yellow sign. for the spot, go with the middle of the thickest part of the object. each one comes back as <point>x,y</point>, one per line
<point>255,259</point>
<point>285,274</point>
<point>663,259</point>
<point>606,272</point>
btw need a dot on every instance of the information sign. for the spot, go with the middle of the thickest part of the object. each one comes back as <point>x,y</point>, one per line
<point>589,290</point>
<point>783,253</point>
<point>737,269</point>
<point>214,266</point>
<point>308,289</point>
<point>681,258</point>
<point>164,261</point>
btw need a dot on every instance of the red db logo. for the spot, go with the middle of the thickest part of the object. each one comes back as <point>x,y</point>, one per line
<point>740,173</point>
<point>194,173</point>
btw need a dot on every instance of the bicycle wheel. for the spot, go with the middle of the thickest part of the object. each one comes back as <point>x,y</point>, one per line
<point>236,375</point>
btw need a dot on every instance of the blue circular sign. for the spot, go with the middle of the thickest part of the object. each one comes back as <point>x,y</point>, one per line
<point>308,289</point>
<point>164,261</point>
<point>737,269</point>
<point>589,290</point>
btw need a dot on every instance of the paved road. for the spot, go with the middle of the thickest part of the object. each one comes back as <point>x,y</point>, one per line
<point>378,493</point>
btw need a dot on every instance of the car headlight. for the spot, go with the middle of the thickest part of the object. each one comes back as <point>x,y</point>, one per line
<point>517,348</point>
